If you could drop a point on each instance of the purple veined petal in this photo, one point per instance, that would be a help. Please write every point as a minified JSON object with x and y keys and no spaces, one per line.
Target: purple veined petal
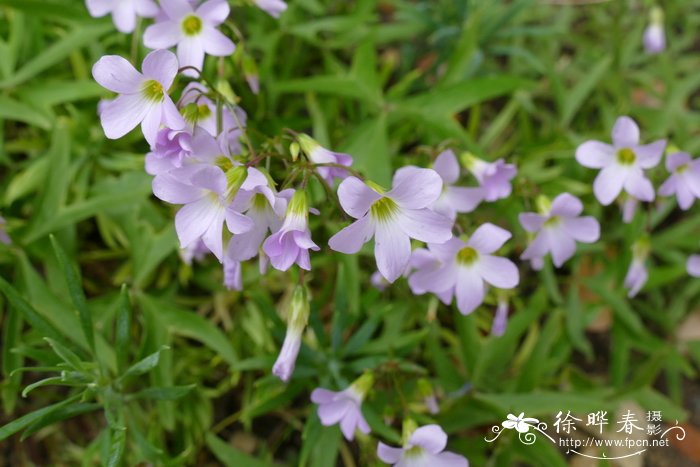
{"x":392,"y":248}
{"x":216,"y":43}
{"x":531,"y":222}
{"x":447,"y":166}
{"x":636,"y":277}
{"x":685,"y":197}
{"x":349,"y":423}
{"x":356,"y":197}
{"x":566,"y":205}
{"x":432,"y":438}
{"x":595,"y":154}
{"x":469,"y":289}
{"x":322,"y":396}
{"x":421,"y":258}
{"x":191,"y":54}
{"x":171,"y":190}
{"x":692,"y":178}
{"x":210,"y":178}
{"x":464,"y":199}
{"x":150,"y":125}
{"x":433,"y":279}
{"x":238,"y":223}
{"x":649,"y":155}
{"x":499,"y":272}
{"x":286,"y":360}
{"x":561,"y":244}
{"x":255,"y":179}
{"x":116,"y":74}
{"x":583,"y":229}
{"x":146,"y":8}
{"x":232,"y":274}
{"x":171,"y":117}
{"x":625,"y":133}
{"x":193,"y":219}
{"x":213,"y":11}
{"x":98,"y":8}
{"x":415,"y":188}
{"x":654,"y":39}
{"x":446,"y":296}
{"x":677,"y":159}
{"x":446,"y":252}
{"x":123,"y":114}
{"x":161,"y":65}
{"x":608,"y":183}
{"x":538,"y":248}
{"x":669,"y":187}
{"x":124,"y":16}
{"x":176,"y":9}
{"x":639,"y":186}
{"x":449,"y":459}
{"x":304,"y":260}
{"x":488,"y":238}
{"x":425,"y":225}
{"x":333,"y":412}
{"x":362,"y":424}
{"x":303,"y":240}
{"x":162,"y":35}
{"x":693,"y":265}
{"x":350,"y":239}
{"x":388,"y":454}
{"x":245,"y":246}
{"x":213,"y":236}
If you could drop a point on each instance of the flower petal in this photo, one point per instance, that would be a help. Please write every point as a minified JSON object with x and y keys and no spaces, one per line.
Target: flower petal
{"x":595,"y":154}
{"x":488,"y":238}
{"x":351,"y":238}
{"x":388,"y":454}
{"x":499,"y":272}
{"x":415,"y":188}
{"x":649,"y":155}
{"x":349,"y":423}
{"x":333,"y":412}
{"x":191,"y":54}
{"x":639,"y":186}
{"x":162,"y":35}
{"x":392,"y":248}
{"x":583,"y":229}
{"x":447,"y":167}
{"x":162,"y":66}
{"x":123,"y":114}
{"x":176,"y":9}
{"x":625,"y":133}
{"x":449,"y":459}
{"x":322,"y":396}
{"x":214,"y":11}
{"x":532,"y":222}
{"x":193,"y":219}
{"x":677,"y":159}
{"x":356,"y":197}
{"x":693,"y":265}
{"x":562,"y":245}
{"x":469,"y":289}
{"x":432,"y":438}
{"x":171,"y":190}
{"x":566,"y":205}
{"x":425,"y":225}
{"x":433,"y":279}
{"x":216,"y":43}
{"x":117,"y":74}
{"x":608,"y":184}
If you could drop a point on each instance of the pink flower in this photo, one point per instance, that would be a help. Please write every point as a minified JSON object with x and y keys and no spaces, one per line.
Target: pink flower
{"x":192,"y":30}
{"x":558,"y":229}
{"x":464,"y":268}
{"x":392,"y":218}
{"x":124,"y":12}
{"x":684,"y":181}
{"x":622,"y":163}
{"x":344,"y":407}
{"x":142,"y":98}
{"x":454,"y":199}
{"x":424,"y":448}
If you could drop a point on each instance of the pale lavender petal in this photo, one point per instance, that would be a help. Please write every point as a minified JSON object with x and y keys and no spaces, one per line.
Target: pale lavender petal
{"x":595,"y":154}
{"x":98,"y":8}
{"x":213,"y":11}
{"x":161,"y":65}
{"x":561,"y":244}
{"x":639,"y":186}
{"x":124,"y":17}
{"x":117,"y":74}
{"x":447,"y":166}
{"x":151,"y":123}
{"x":333,"y":412}
{"x":286,"y":361}
{"x":216,"y":43}
{"x":532,"y":222}
{"x":432,"y":438}
{"x":351,"y":238}
{"x":213,"y":236}
{"x":649,"y":155}
{"x":446,"y":252}
{"x":464,"y":199}
{"x":193,"y":219}
{"x":415,"y":188}
{"x":500,"y":320}
{"x":685,"y":197}
{"x":123,"y":114}
{"x":693,"y":265}
{"x":356,"y":197}
{"x":538,"y":248}
{"x":322,"y":396}
{"x":232,"y":274}
{"x":583,"y":229}
{"x":449,"y":459}
{"x":608,"y":184}
{"x":392,"y":248}
{"x":424,"y":225}
{"x":669,"y":186}
{"x":469,"y":289}
{"x":162,"y":35}
{"x":388,"y":454}
{"x":191,"y":54}
{"x":171,"y":116}
{"x":433,"y":279}
{"x":636,"y":277}
{"x":625,"y":133}
{"x":499,"y":272}
{"x":238,"y":223}
{"x":146,"y":8}
{"x":349,"y":423}
{"x":654,"y":39}
{"x":629,"y":209}
{"x":677,"y":159}
{"x":488,"y":238}
{"x":176,"y":9}
{"x":566,"y":205}
{"x":171,"y":190}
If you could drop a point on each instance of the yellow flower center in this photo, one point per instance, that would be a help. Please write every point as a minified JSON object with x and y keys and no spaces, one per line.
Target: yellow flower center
{"x":153,"y":90}
{"x":383,"y":209}
{"x":467,"y":255}
{"x":552,"y":221}
{"x":626,"y":156}
{"x":682,"y":168}
{"x":191,"y":25}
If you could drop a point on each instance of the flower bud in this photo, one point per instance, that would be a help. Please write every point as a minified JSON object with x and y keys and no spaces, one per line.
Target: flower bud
{"x":294,"y":150}
{"x":296,"y":323}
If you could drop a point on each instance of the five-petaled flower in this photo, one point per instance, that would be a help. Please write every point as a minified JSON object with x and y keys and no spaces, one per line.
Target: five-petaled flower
{"x":684,"y":181}
{"x":344,"y":407}
{"x":124,"y":12}
{"x":392,"y":218}
{"x":425,"y":447}
{"x":454,"y":199}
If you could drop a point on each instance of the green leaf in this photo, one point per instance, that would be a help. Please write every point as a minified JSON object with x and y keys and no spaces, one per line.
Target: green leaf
{"x":144,"y":365}
{"x":117,"y":447}
{"x":65,"y":354}
{"x":369,"y":147}
{"x":24,"y":421}
{"x":164,"y":393}
{"x":122,"y":331}
{"x":578,"y":95}
{"x":75,"y":289}
{"x":59,"y":415}
{"x":11,"y":109}
{"x":230,"y":456}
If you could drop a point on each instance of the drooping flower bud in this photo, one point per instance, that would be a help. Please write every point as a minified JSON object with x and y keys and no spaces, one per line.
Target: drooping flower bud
{"x":637,"y":275}
{"x":296,"y":323}
{"x":428,"y":394}
{"x":654,"y":35}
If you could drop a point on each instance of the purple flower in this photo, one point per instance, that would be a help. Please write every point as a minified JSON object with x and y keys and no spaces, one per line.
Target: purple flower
{"x":4,"y":238}
{"x":684,"y":181}
{"x":195,"y":251}
{"x":693,"y":265}
{"x":464,"y":268}
{"x":558,"y":229}
{"x":393,"y":218}
{"x":317,"y":154}
{"x":124,"y":12}
{"x":292,"y":242}
{"x":180,"y":149}
{"x":193,"y":30}
{"x":629,"y":209}
{"x":654,"y":37}
{"x":206,"y":194}
{"x":344,"y":407}
{"x":637,"y":273}
{"x":429,"y":399}
{"x":424,"y":448}
{"x":232,"y":273}
{"x":273,"y":8}
{"x":298,"y":317}
{"x":500,"y":321}
{"x":142,"y":98}
{"x":493,"y":177}
{"x":200,"y":111}
{"x":378,"y":281}
{"x":454,"y":199}
{"x":622,"y":163}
